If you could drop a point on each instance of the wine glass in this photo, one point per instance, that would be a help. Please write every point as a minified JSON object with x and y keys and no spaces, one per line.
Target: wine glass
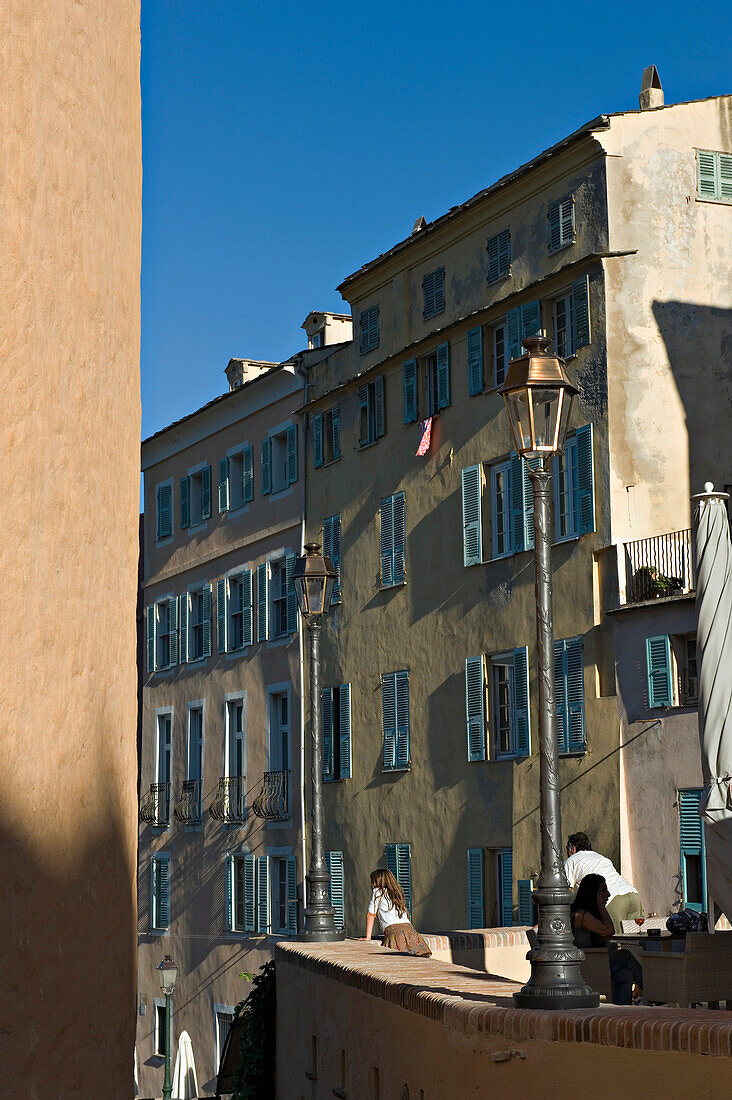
{"x":640,"y":921}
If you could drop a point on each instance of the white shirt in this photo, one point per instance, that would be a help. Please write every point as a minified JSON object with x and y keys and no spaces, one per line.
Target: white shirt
{"x":592,"y":863}
{"x":382,"y":908}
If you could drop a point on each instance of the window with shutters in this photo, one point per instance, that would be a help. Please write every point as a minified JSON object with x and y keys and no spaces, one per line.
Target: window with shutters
{"x":571,"y":315}
{"x":236,"y":479}
{"x":672,"y":670}
{"x":399,"y":862}
{"x":499,"y":256}
{"x":560,"y":217}
{"x":569,"y":693}
{"x":368,"y":328}
{"x":684,"y":647}
{"x":692,"y":849}
{"x":396,"y":755}
{"x":574,"y":486}
{"x":336,"y":722}
{"x":282,"y":598}
{"x":505,"y":512}
{"x":522,"y":321}
{"x":426,"y":384}
{"x":433,"y":286}
{"x":498,"y":705}
{"x":393,"y":540}
{"x":235,"y":748}
{"x":241,"y":871}
{"x":197,"y":621}
{"x":278,"y":895}
{"x":195,"y":497}
{"x":237,"y":611}
{"x":713,"y":176}
{"x":501,"y":510}
{"x":162,"y":634}
{"x":164,"y":510}
{"x":160,"y":892}
{"x":372,"y":406}
{"x":334,"y":861}
{"x":279,"y":464}
{"x":163,"y":748}
{"x":332,"y":550}
{"x":476,"y":888}
{"x":327,"y":436}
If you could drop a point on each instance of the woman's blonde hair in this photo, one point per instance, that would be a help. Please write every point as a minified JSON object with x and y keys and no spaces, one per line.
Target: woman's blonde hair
{"x":383,"y":881}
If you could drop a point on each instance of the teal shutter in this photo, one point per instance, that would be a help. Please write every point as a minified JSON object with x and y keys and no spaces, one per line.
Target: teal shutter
{"x":185,"y":502}
{"x":379,"y":410}
{"x":560,"y":695}
{"x":530,"y":320}
{"x":292,"y":454}
{"x":387,"y":541}
{"x":522,"y":710}
{"x":266,"y":466}
{"x":475,"y":361}
{"x":229,"y":872}
{"x":223,"y":484}
{"x":318,"y":440}
{"x":344,"y":730}
{"x":335,"y":425}
{"x":472,"y":485}
{"x":521,"y":498}
{"x":513,"y":329}
{"x":499,"y":255}
{"x":475,"y":706}
{"x":691,"y":835}
{"x":221,"y":616}
{"x":363,"y":401}
{"x":183,"y":628}
{"x":165,"y":511}
{"x":326,"y":710}
{"x":391,"y":859}
{"x":160,"y":887}
{"x":525,"y":889}
{"x":262,"y":602}
{"x":334,"y":861}
{"x":581,"y":312}
{"x":291,"y":896}
{"x":505,"y":882}
{"x":173,"y":630}
{"x":725,"y":175}
{"x":388,"y":719}
{"x":566,"y":214}
{"x":207,"y":593}
{"x":263,"y":921}
{"x":404,"y":873}
{"x":250,"y":906}
{"x":247,"y":474}
{"x":555,"y":229}
{"x":409,"y":389}
{"x":658,"y":662}
{"x":575,"y":694}
{"x":585,"y":479}
{"x":402,"y":719}
{"x":332,"y":550}
{"x":246,"y":597}
{"x":443,"y":375}
{"x":151,"y":623}
{"x":290,"y":560}
{"x":206,"y":492}
{"x":400,"y":537}
{"x":707,"y":166}
{"x":476,"y":911}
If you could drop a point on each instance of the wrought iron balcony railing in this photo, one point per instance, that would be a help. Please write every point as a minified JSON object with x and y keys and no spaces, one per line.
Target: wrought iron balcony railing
{"x":659,"y":566}
{"x":188,"y":807}
{"x":272,"y":802}
{"x":229,"y":804}
{"x":155,"y":810}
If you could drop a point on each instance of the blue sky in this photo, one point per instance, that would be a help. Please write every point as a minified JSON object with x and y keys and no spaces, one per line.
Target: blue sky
{"x":285,"y":144}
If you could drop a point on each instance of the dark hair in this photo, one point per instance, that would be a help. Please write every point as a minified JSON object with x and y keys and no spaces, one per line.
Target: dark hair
{"x":581,"y":842}
{"x":586,"y":899}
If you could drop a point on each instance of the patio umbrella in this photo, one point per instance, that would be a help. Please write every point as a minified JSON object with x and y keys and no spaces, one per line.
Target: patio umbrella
{"x":185,"y":1085}
{"x":714,"y":645}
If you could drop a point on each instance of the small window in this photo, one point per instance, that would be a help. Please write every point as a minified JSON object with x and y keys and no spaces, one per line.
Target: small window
{"x":282,"y":617}
{"x":278,"y":894}
{"x":317,"y":340}
{"x":327,"y":436}
{"x":433,"y":286}
{"x":426,"y":384}
{"x":236,"y":479}
{"x":501,"y":510}
{"x":685,"y":646}
{"x":371,"y":401}
{"x":240,"y":610}
{"x":224,"y":1020}
{"x":162,"y":634}
{"x":159,"y":1044}
{"x":499,"y":256}
{"x":503,"y":704}
{"x":195,"y":497}
{"x":713,"y":176}
{"x":279,"y":460}
{"x":195,"y":625}
{"x":393,"y":540}
{"x":395,"y":720}
{"x":368,"y":326}
{"x":334,"y":861}
{"x":499,"y":353}
{"x":235,"y":739}
{"x":561,"y":223}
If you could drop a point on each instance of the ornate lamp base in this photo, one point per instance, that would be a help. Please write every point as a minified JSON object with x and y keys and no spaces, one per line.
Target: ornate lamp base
{"x":555,"y":985}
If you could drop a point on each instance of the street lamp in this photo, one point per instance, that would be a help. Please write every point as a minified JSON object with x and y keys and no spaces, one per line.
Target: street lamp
{"x":313,"y":578}
{"x":538,"y":396}
{"x":167,"y":972}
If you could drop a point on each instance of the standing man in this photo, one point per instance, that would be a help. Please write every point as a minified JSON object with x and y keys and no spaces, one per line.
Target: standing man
{"x":624,"y":903}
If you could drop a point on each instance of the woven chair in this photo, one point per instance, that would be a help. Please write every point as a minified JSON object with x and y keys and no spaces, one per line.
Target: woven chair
{"x":650,"y":922}
{"x":703,"y":972}
{"x":595,"y":968}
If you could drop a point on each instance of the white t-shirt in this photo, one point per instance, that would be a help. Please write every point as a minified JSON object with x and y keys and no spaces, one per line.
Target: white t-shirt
{"x":382,"y":908}
{"x":592,"y":863}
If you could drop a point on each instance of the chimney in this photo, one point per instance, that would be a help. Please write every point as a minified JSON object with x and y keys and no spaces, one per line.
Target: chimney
{"x":651,"y":93}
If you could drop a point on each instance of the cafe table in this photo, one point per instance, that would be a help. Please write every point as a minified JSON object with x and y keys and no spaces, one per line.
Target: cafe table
{"x":636,"y":942}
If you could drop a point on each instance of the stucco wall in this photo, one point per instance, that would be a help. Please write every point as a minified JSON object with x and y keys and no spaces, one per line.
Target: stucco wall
{"x":70,"y":213}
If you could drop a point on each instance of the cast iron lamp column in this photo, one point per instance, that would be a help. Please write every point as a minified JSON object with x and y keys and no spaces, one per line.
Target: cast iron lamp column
{"x":538,"y":396}
{"x":313,"y":578}
{"x":168,"y":972}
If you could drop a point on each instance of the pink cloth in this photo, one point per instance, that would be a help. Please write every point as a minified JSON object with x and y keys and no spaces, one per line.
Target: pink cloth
{"x":425,"y":426}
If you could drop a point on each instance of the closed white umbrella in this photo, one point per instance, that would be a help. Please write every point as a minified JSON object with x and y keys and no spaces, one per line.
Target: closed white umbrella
{"x":185,"y":1085}
{"x":714,"y":645}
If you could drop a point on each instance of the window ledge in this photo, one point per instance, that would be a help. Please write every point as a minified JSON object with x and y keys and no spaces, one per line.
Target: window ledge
{"x":499,"y":278}
{"x":165,"y":541}
{"x":331,"y":463}
{"x":389,"y":771}
{"x":390,"y":587}
{"x":567,"y":538}
{"x":572,"y":752}
{"x":562,"y":247}
{"x":367,"y":444}
{"x":707,"y":198}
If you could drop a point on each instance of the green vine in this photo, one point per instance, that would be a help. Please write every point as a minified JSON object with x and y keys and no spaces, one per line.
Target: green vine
{"x":255,"y":1074}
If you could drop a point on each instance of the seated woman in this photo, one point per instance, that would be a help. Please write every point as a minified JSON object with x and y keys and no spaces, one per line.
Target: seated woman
{"x":592,"y":927}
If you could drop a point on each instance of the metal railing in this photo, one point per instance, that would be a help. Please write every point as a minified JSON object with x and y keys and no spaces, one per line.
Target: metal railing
{"x":229,"y":804}
{"x":155,"y":810}
{"x":272,"y":802}
{"x":188,"y":807}
{"x":659,"y":566}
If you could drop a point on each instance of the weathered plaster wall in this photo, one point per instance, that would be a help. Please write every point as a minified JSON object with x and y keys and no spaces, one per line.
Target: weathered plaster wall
{"x":70,"y":214}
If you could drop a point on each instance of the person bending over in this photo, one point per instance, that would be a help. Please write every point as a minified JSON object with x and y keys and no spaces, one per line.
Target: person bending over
{"x":624,"y":902}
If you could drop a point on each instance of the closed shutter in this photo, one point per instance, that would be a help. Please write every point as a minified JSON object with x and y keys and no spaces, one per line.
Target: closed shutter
{"x":555,"y":230}
{"x":499,"y":255}
{"x":326,"y":710}
{"x":707,"y":168}
{"x":250,"y":905}
{"x":344,"y":730}
{"x":318,"y":440}
{"x":560,"y":695}
{"x":404,"y":873}
{"x":409,"y":389}
{"x":400,"y":535}
{"x":387,"y":541}
{"x":475,"y":706}
{"x":334,"y":861}
{"x":472,"y":486}
{"x":151,"y":618}
{"x":222,"y":621}
{"x":522,"y":505}
{"x":262,"y":601}
{"x":335,"y":424}
{"x":443,"y":375}
{"x":505,"y":885}
{"x":248,"y":474}
{"x":183,"y":628}
{"x":290,"y":560}
{"x":566,"y":216}
{"x":291,"y":896}
{"x":292,"y":454}
{"x":525,"y":888}
{"x":693,"y":851}
{"x":161,"y":892}
{"x":363,"y":401}
{"x":165,"y":511}
{"x":580,"y":312}
{"x":246,"y":599}
{"x":388,"y":719}
{"x":263,"y":921}
{"x":332,"y":550}
{"x":513,"y":328}
{"x":476,"y":911}
{"x":725,"y":175}
{"x":379,"y":410}
{"x":206,"y":492}
{"x":658,"y":663}
{"x":173,"y":631}
{"x":475,"y":361}
{"x":585,"y":479}
{"x":266,"y":466}
{"x":433,"y":285}
{"x":402,"y":718}
{"x":522,"y":710}
{"x":223,"y":484}
{"x":575,"y":694}
{"x":391,"y":859}
{"x":207,"y":594}
{"x":185,"y":502}
{"x":229,"y":872}
{"x":530,"y":320}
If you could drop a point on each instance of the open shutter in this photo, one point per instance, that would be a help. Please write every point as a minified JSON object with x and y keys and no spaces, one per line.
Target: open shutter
{"x":581,"y":312}
{"x":585,"y":479}
{"x":402,"y":719}
{"x":379,"y":411}
{"x":266,"y":468}
{"x":658,"y":661}
{"x":391,"y":859}
{"x":400,"y":536}
{"x":318,"y":440}
{"x":388,"y":719}
{"x":326,"y":709}
{"x":706,"y":174}
{"x":475,"y":361}
{"x":387,"y":541}
{"x":725,"y":175}
{"x":221,"y":616}
{"x":525,"y":889}
{"x":334,"y":861}
{"x":246,"y":600}
{"x":223,"y":484}
{"x":165,"y":511}
{"x":476,"y":912}
{"x":150,"y":616}
{"x":404,"y":873}
{"x":443,"y":376}
{"x":250,"y":907}
{"x":173,"y":630}
{"x":566,"y":217}
{"x":505,"y":885}
{"x":206,"y":492}
{"x":185,"y":502}
{"x":560,"y":695}
{"x":263,"y":922}
{"x":513,"y":328}
{"x":290,"y":560}
{"x":519,"y":495}
{"x":162,"y":864}
{"x":335,"y":555}
{"x":575,"y":694}
{"x":248,"y":474}
{"x":522,"y":720}
{"x":691,"y":835}
{"x":262,"y":601}
{"x":472,"y":485}
{"x":344,"y":730}
{"x":363,"y":401}
{"x":530,"y":320}
{"x":555,"y":233}
{"x":229,"y":872}
{"x":292,"y":454}
{"x":207,"y":593}
{"x":183,"y":628}
{"x":335,"y":424}
{"x":409,"y":389}
{"x":475,"y":706}
{"x":291,"y":896}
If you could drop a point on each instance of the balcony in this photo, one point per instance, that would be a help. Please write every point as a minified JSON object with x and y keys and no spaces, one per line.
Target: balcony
{"x":229,"y":804}
{"x":272,"y":802}
{"x":657,"y":567}
{"x":187,"y":809}
{"x":155,"y":810}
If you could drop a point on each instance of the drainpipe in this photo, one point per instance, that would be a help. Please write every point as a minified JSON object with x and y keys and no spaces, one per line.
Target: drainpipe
{"x":301,"y":641}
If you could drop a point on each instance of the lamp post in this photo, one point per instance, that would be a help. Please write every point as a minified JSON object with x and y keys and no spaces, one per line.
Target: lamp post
{"x":313,"y":578}
{"x":538,"y":396}
{"x":167,"y":972}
